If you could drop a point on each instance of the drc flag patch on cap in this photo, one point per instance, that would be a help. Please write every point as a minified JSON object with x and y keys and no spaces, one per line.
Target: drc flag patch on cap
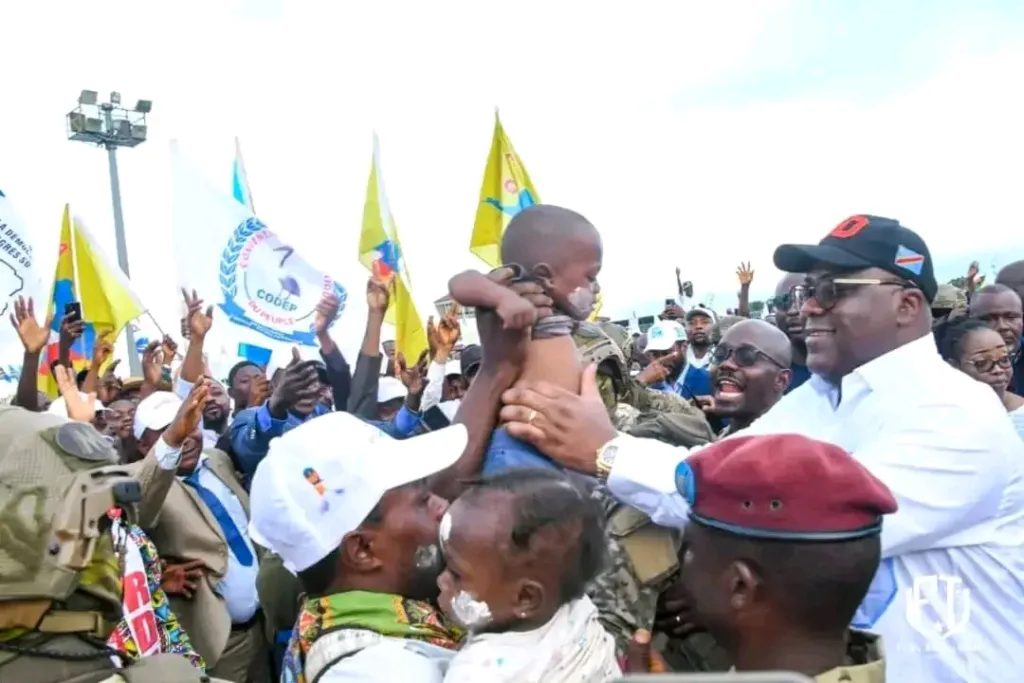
{"x":908,"y":259}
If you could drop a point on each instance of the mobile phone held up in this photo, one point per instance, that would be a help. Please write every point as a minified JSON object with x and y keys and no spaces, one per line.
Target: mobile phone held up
{"x":73,"y":311}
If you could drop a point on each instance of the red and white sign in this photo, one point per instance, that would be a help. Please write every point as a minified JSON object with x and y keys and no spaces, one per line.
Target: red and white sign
{"x":136,"y":601}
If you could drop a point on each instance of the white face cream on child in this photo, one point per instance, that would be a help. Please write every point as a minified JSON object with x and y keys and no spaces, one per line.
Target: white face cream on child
{"x":470,"y":612}
{"x":582,"y":299}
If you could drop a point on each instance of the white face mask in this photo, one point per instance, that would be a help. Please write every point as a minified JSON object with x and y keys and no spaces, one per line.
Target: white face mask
{"x":470,"y":612}
{"x":583,"y":300}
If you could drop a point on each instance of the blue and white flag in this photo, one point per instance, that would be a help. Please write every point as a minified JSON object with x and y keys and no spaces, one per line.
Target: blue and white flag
{"x":263,"y":291}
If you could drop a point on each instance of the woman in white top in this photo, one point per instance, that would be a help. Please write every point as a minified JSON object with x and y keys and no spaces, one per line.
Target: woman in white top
{"x":971,"y":346}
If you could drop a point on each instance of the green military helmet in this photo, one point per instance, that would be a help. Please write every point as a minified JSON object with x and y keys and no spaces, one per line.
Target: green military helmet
{"x":60,"y":480}
{"x":596,"y":346}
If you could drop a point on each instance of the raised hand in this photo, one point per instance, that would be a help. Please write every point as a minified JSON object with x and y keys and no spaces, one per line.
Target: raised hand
{"x":33,"y":336}
{"x":448,"y":329}
{"x":413,"y":377}
{"x":70,"y":331}
{"x":168,"y":349}
{"x":297,"y":390}
{"x":379,"y":289}
{"x":190,"y":414}
{"x":80,"y":408}
{"x":102,"y":350}
{"x":200,"y":320}
{"x":326,"y":312}
{"x":745,"y":274}
{"x":109,"y":385}
{"x":152,"y":364}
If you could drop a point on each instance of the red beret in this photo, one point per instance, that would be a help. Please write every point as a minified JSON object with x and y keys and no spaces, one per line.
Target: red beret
{"x":783,"y":486}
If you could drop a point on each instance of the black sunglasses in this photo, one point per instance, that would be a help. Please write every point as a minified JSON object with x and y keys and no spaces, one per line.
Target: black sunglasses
{"x":744,"y":356}
{"x":827,"y":291}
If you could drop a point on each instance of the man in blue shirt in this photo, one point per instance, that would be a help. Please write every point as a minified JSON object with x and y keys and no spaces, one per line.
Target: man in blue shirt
{"x":295,"y":400}
{"x":789,"y":320}
{"x":668,"y":370}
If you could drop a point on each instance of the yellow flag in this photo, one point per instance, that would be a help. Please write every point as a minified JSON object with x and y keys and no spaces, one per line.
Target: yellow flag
{"x":85,"y":275}
{"x":380,"y":250}
{"x":506,"y":190}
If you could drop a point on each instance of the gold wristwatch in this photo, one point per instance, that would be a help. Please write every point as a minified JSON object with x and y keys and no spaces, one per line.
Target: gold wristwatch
{"x":606,"y":460}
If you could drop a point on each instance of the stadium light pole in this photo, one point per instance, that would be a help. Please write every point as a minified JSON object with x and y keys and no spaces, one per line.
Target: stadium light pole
{"x":109,"y":125}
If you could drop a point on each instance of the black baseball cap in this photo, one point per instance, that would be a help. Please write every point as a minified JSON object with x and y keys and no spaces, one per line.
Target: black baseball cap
{"x":470,"y":359}
{"x":866,"y":242}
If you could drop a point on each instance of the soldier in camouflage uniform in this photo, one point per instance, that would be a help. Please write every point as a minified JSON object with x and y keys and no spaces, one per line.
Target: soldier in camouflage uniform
{"x":643,"y":557}
{"x":60,"y":570}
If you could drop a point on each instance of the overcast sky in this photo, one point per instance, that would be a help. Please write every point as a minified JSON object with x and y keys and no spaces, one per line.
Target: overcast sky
{"x":695,"y":134}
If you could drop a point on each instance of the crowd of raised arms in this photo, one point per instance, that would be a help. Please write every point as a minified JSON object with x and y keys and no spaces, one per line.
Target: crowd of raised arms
{"x":832,"y":493}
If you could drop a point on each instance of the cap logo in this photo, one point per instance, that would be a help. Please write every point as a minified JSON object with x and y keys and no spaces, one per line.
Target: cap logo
{"x":909,"y":260}
{"x":655,"y":332}
{"x":850,"y":227}
{"x":685,"y":483}
{"x":314,"y":479}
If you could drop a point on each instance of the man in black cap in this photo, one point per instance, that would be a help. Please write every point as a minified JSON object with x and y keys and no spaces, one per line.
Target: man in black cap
{"x":868,"y":290}
{"x":939,"y":440}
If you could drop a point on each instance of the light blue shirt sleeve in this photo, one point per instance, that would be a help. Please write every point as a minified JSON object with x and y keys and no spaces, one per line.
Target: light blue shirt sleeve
{"x":401,"y":426}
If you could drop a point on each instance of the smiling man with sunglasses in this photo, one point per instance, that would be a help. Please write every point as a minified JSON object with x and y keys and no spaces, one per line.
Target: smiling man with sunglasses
{"x":948,"y":597}
{"x":750,"y":371}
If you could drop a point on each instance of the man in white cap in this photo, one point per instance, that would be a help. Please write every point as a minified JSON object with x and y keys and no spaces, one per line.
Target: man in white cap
{"x":348,"y":510}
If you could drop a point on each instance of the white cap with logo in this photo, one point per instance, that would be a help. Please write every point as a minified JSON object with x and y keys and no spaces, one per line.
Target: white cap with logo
{"x":321,"y":479}
{"x":663,"y":335}
{"x":156,"y":411}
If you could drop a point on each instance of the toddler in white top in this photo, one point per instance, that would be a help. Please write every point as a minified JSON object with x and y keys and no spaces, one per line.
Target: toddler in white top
{"x":520,"y":547}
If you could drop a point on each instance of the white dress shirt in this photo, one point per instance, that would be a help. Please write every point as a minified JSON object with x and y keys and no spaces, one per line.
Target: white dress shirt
{"x":238,"y":586}
{"x":435,"y":386}
{"x":946,"y":448}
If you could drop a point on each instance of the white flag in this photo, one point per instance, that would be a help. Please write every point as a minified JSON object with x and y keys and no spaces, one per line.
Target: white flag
{"x":18,"y":277}
{"x":265,"y":294}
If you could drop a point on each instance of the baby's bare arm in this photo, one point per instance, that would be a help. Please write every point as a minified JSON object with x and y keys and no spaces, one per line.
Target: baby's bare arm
{"x":471,"y":288}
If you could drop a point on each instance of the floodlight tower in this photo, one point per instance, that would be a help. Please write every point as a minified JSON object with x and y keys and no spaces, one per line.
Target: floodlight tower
{"x":108,"y":124}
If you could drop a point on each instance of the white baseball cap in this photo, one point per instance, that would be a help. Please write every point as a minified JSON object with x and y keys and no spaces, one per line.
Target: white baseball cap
{"x":320,"y":480}
{"x":663,"y":335}
{"x":59,"y":406}
{"x":390,"y":388}
{"x":156,"y":411}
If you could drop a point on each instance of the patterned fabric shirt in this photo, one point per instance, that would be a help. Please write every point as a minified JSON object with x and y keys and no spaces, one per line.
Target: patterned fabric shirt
{"x":173,"y":639}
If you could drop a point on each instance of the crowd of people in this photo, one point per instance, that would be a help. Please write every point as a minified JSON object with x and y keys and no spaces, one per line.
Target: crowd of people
{"x":835,"y":492}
